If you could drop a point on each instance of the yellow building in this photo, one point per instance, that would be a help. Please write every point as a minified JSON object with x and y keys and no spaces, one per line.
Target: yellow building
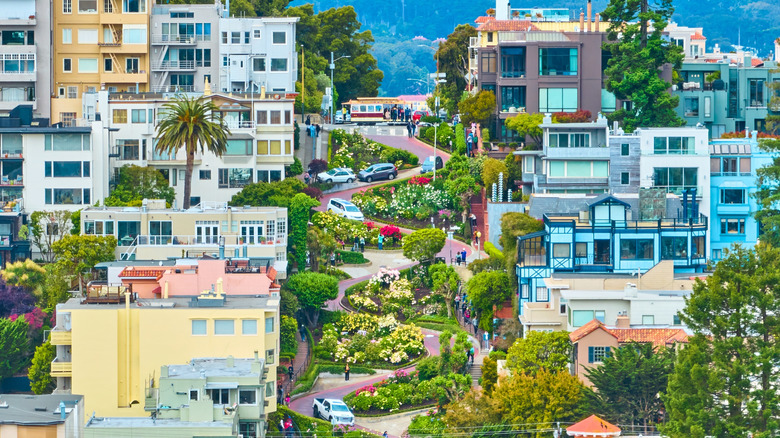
{"x":110,"y":349}
{"x":98,"y":44}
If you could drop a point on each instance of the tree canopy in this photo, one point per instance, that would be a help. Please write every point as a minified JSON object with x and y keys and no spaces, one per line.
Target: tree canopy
{"x":424,"y":244}
{"x":47,"y":227}
{"x":768,"y":193}
{"x":478,"y":108}
{"x":488,"y":289}
{"x":313,"y":290}
{"x":41,"y":381}
{"x":76,"y":254}
{"x":527,"y":125}
{"x":13,"y":346}
{"x":137,"y":183}
{"x":299,"y":212}
{"x":540,"y":351}
{"x":453,"y":60}
{"x":265,"y":194}
{"x":445,"y":283}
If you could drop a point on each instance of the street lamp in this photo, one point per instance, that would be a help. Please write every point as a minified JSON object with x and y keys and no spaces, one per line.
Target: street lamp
{"x":435,"y":126}
{"x":479,"y":242}
{"x":333,"y":86}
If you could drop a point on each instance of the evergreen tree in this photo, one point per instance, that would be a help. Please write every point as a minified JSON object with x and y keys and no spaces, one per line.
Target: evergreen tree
{"x":41,"y":381}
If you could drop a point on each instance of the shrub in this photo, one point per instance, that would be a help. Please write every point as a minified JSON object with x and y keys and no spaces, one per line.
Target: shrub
{"x":317,"y":166}
{"x":351,"y":257}
{"x":580,"y":116}
{"x":313,"y":192}
{"x":485,"y":135}
{"x":488,"y":264}
{"x":492,"y":251}
{"x":428,"y":367}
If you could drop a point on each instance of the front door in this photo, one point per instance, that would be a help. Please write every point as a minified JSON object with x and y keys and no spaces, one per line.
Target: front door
{"x":601,"y":251}
{"x":207,"y":232}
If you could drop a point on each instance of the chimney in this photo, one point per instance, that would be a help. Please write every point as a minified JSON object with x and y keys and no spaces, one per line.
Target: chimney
{"x":262,"y":92}
{"x":257,"y":355}
{"x":598,"y":19}
{"x":582,"y":22}
{"x":63,"y":411}
{"x":229,"y":362}
{"x":590,"y":11}
{"x":623,"y":321}
{"x":630,"y":290}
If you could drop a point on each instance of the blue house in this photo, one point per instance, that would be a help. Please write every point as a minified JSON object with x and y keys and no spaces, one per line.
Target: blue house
{"x":605,"y":237}
{"x":733,"y":181}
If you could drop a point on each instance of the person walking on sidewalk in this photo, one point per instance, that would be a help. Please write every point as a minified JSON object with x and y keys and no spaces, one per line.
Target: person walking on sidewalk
{"x":346,"y":372}
{"x":474,"y":323}
{"x":471,"y":354}
{"x":362,"y":244}
{"x":379,"y":241}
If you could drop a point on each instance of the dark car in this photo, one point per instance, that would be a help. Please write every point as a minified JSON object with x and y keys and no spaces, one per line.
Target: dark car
{"x":378,"y":171}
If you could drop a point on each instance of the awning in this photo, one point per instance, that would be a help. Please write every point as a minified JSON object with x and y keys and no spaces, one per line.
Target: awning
{"x":221,"y":385}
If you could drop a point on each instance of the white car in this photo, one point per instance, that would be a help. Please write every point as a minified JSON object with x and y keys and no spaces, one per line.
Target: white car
{"x":333,"y":410}
{"x":345,"y":208}
{"x":337,"y":175}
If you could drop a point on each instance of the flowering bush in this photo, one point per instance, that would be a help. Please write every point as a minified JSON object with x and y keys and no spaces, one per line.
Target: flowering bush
{"x":370,"y":339}
{"x":419,"y":180}
{"x":446,"y":214}
{"x":341,"y":228}
{"x":402,"y":389}
{"x":33,"y":318}
{"x":384,"y":277}
{"x":391,"y":231}
{"x":406,"y":201}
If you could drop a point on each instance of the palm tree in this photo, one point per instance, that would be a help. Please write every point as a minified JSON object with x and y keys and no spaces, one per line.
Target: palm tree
{"x":191,"y":122}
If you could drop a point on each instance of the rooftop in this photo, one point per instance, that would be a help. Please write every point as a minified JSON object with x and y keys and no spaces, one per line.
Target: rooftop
{"x":231,"y":302}
{"x":593,"y":426}
{"x":142,"y":422}
{"x":158,"y":206}
{"x":35,"y":410}
{"x":659,"y":337}
{"x":214,"y":367}
{"x":506,"y":25}
{"x":587,"y":329}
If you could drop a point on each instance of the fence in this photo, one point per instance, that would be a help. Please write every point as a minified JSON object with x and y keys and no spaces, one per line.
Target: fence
{"x":301,"y":368}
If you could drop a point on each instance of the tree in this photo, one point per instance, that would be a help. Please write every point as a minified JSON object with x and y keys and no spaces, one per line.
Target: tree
{"x":768,"y":193}
{"x":14,"y":346}
{"x":273,"y":194}
{"x":445,"y":283}
{"x":14,"y":300}
{"x":489,"y":374}
{"x":462,"y":188}
{"x":191,"y":123}
{"x":137,"y":183}
{"x":47,"y":227}
{"x":26,"y":274}
{"x":486,"y":290}
{"x":41,"y":381}
{"x":478,"y":108}
{"x":242,"y":8}
{"x":294,"y":169}
{"x":453,"y":60}
{"x":77,"y":254}
{"x":321,"y":245}
{"x":313,"y":290}
{"x":527,"y":125}
{"x":734,"y":317}
{"x":299,"y":214}
{"x":628,"y":384}
{"x":549,"y":351}
{"x":424,"y":244}
{"x":288,"y":329}
{"x":490,"y":171}
{"x":514,"y":225}
{"x":639,"y":51}
{"x":288,"y":304}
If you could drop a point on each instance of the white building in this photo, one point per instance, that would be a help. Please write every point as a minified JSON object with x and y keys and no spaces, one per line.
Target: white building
{"x":257,"y":52}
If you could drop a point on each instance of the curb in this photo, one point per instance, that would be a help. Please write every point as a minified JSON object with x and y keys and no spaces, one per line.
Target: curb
{"x":358,"y":265}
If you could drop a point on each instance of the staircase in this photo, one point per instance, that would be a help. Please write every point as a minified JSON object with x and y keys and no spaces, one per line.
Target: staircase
{"x":476,"y":372}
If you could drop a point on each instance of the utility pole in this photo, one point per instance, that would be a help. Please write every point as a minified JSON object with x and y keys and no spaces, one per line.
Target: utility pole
{"x":303,"y":86}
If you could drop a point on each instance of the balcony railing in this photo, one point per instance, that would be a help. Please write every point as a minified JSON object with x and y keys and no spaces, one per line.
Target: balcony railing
{"x":173,"y":39}
{"x":663,"y":223}
{"x":175,"y":65}
{"x":61,"y":369}
{"x":61,"y":337}
{"x":101,"y":293}
{"x":731,"y":174}
{"x":244,"y":124}
{"x":214,"y":241}
{"x":173,"y":89}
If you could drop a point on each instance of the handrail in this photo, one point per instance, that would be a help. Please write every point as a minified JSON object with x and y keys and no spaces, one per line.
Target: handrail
{"x":195,"y":240}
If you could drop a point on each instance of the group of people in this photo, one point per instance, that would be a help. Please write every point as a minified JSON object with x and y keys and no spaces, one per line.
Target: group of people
{"x":312,"y":130}
{"x":411,"y":128}
{"x":462,"y":306}
{"x":399,"y":114}
{"x":360,"y":244}
{"x":281,"y":398}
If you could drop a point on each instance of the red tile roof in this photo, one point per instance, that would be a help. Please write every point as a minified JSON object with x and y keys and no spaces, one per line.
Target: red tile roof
{"x":698,"y":36}
{"x":587,"y":329}
{"x":507,"y":25}
{"x":593,"y":426}
{"x":659,"y":337}
{"x":484,"y":19}
{"x":755,"y":62}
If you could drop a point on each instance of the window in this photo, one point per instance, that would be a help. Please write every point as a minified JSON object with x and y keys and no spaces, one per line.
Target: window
{"x":234,"y":178}
{"x":732,"y":226}
{"x":636,"y":249}
{"x":205,"y":174}
{"x":580,"y":249}
{"x":203,"y":58}
{"x":557,"y":61}
{"x":67,"y":196}
{"x":67,"y":65}
{"x":198,"y":326}
{"x":276,"y":117}
{"x":67,"y":36}
{"x":131,"y":65}
{"x":88,"y":36}
{"x":488,"y":62}
{"x":108,"y":64}
{"x":552,"y":100}
{"x":224,"y":327}
{"x":238,"y":147}
{"x":269,"y":324}
{"x":134,"y":5}
{"x":278,"y":64}
{"x":600,"y":315}
{"x":578,"y":169}
{"x":542,"y":294}
{"x":490,"y":37}
{"x":128,"y":149}
{"x":269,"y":356}
{"x":561,"y":250}
{"x":194,"y":394}
{"x":608,"y":101}
{"x":120,"y":115}
{"x":281,"y":228}
{"x":597,"y":354}
{"x":648,"y":319}
{"x":88,"y":65}
{"x":731,"y":166}
{"x":570,"y":140}
{"x":624,"y":149}
{"x":288,"y":118}
{"x":675,"y":179}
{"x":512,"y":97}
{"x":127,"y":231}
{"x":220,"y":396}
{"x":247,"y":396}
{"x":138,"y":116}
{"x":88,"y":6}
{"x":756,"y":87}
{"x":674,"y":145}
{"x":674,"y":248}
{"x":691,"y":107}
{"x":697,"y":247}
{"x":65,"y":169}
{"x":246,"y":37}
{"x":249,"y":430}
{"x":134,"y":35}
{"x":67,"y":6}
{"x":257,"y":34}
{"x":262,"y":117}
{"x":512,"y":62}
{"x":732,"y":196}
{"x":258,"y":64}
{"x":235,"y":38}
{"x":582,"y":317}
{"x":248,"y":326}
{"x":224,"y":39}
{"x":280,"y":38}
{"x":676,"y":319}
{"x":269,"y":229}
{"x":99,"y":228}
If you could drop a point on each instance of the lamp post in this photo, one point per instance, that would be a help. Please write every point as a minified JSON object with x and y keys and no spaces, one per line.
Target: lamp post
{"x":333,"y":85}
{"x":435,"y":126}
{"x":479,"y":244}
{"x":303,"y":86}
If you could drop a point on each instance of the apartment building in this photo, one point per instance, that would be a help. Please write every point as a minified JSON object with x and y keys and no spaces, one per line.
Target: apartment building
{"x":97,"y":45}
{"x":25,"y":52}
{"x":205,"y":397}
{"x":154,"y":232}
{"x":259,"y":147}
{"x":258,"y":52}
{"x":110,"y":346}
{"x":184,"y":46}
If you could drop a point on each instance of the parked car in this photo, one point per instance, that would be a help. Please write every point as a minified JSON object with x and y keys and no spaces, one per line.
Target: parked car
{"x":345,"y":208}
{"x":417,"y":115}
{"x":427,"y":165}
{"x":333,"y":410}
{"x":378,"y":171}
{"x":337,"y":175}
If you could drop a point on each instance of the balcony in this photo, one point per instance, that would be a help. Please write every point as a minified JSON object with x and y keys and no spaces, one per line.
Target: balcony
{"x":245,"y":124}
{"x":175,"y":66}
{"x":18,"y":76}
{"x":61,"y":369}
{"x":174,"y":40}
{"x":61,"y":337}
{"x":173,"y":89}
{"x":101,"y":293}
{"x":211,"y":242}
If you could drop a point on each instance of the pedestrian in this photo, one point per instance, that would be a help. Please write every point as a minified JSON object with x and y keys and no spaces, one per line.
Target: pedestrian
{"x":463,"y":256}
{"x":303,"y":332}
{"x":346,"y":372}
{"x":468,"y":355}
{"x":467,"y":313}
{"x":384,"y":435}
{"x":409,"y":130}
{"x":279,"y":394}
{"x":457,"y":302}
{"x":333,"y":259}
{"x":471,"y":353}
{"x":473,"y":220}
{"x":288,"y":426}
{"x":401,"y":114}
{"x":379,"y":241}
{"x":474,"y":323}
{"x":306,"y":178}
{"x":357,"y":244}
{"x":318,"y":129}
{"x":362,"y":244}
{"x":414,"y":129}
{"x":287,"y":399}
{"x":290,"y":372}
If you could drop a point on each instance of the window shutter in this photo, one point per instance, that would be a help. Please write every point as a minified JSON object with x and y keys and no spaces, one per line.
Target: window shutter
{"x":590,"y":354}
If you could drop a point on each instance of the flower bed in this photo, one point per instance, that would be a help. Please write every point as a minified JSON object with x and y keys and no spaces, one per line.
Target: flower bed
{"x":357,"y":153}
{"x":361,"y":338}
{"x":345,"y":231}
{"x":388,"y":293}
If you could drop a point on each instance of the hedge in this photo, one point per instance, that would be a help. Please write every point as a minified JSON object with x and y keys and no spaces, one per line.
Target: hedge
{"x":306,"y":381}
{"x":335,"y":368}
{"x":492,"y":251}
{"x":351,"y":257}
{"x":356,"y":287}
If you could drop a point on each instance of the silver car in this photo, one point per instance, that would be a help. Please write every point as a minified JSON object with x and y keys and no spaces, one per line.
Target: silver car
{"x":337,"y":175}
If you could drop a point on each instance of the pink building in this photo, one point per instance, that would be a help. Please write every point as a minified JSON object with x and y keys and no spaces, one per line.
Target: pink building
{"x":232,"y":277}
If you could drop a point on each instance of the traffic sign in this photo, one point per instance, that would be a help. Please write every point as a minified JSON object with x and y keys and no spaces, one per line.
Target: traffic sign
{"x":437,"y":75}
